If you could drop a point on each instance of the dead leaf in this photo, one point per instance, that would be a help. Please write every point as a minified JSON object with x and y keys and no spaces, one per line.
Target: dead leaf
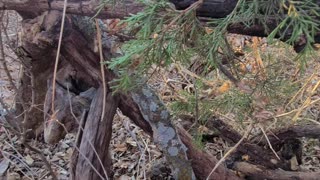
{"x":29,"y":160}
{"x":208,"y":30}
{"x":203,"y":129}
{"x":125,"y":164}
{"x":155,"y":36}
{"x":263,"y":115}
{"x":120,"y":147}
{"x":224,"y":87}
{"x":132,"y":142}
{"x":245,"y":157}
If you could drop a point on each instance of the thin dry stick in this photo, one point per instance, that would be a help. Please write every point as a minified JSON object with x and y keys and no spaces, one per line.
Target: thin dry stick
{"x":307,"y":102}
{"x":4,"y":63}
{"x":84,"y":156}
{"x":43,"y":158}
{"x":4,"y":153}
{"x":33,"y":94}
{"x":270,"y":146}
{"x":102,"y":70}
{"x":81,"y":125}
{"x":19,"y":160}
{"x":58,"y":54}
{"x":18,"y":156}
{"x":295,"y":110}
{"x":311,"y":120}
{"x":142,"y":151}
{"x":146,"y":149}
{"x":231,"y":150}
{"x":300,"y":90}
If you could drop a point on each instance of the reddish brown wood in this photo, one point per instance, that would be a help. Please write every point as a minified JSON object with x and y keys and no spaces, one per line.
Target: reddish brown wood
{"x":257,"y":154}
{"x":202,"y":162}
{"x":258,"y":172}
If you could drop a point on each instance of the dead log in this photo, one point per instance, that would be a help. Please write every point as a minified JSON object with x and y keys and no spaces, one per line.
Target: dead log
{"x":97,"y":132}
{"x":130,"y":109}
{"x":203,"y":163}
{"x":33,"y":8}
{"x":257,"y":154}
{"x":284,"y":138}
{"x":209,"y":8}
{"x":298,"y":131}
{"x":258,"y":172}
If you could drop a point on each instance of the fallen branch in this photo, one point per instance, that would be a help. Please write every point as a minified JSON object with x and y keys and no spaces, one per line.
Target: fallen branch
{"x":257,"y":154}
{"x":81,"y":7}
{"x":203,"y":163}
{"x":258,"y":172}
{"x":298,"y":131}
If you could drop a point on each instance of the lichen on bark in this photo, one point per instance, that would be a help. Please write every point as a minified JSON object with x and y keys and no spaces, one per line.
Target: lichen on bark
{"x":165,"y":135}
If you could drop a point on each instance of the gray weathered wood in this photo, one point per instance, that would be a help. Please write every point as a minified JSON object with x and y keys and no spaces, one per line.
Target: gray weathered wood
{"x":97,"y":132}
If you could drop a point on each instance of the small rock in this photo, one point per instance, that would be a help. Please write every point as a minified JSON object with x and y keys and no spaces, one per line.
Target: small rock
{"x":4,"y":164}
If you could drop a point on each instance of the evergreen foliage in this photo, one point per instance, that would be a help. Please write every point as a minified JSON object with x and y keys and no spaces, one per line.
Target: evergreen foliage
{"x":164,"y":35}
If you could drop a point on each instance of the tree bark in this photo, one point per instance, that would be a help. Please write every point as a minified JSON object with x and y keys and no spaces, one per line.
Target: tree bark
{"x":209,"y":8}
{"x":258,"y":172}
{"x":97,"y":132}
{"x":33,"y":8}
